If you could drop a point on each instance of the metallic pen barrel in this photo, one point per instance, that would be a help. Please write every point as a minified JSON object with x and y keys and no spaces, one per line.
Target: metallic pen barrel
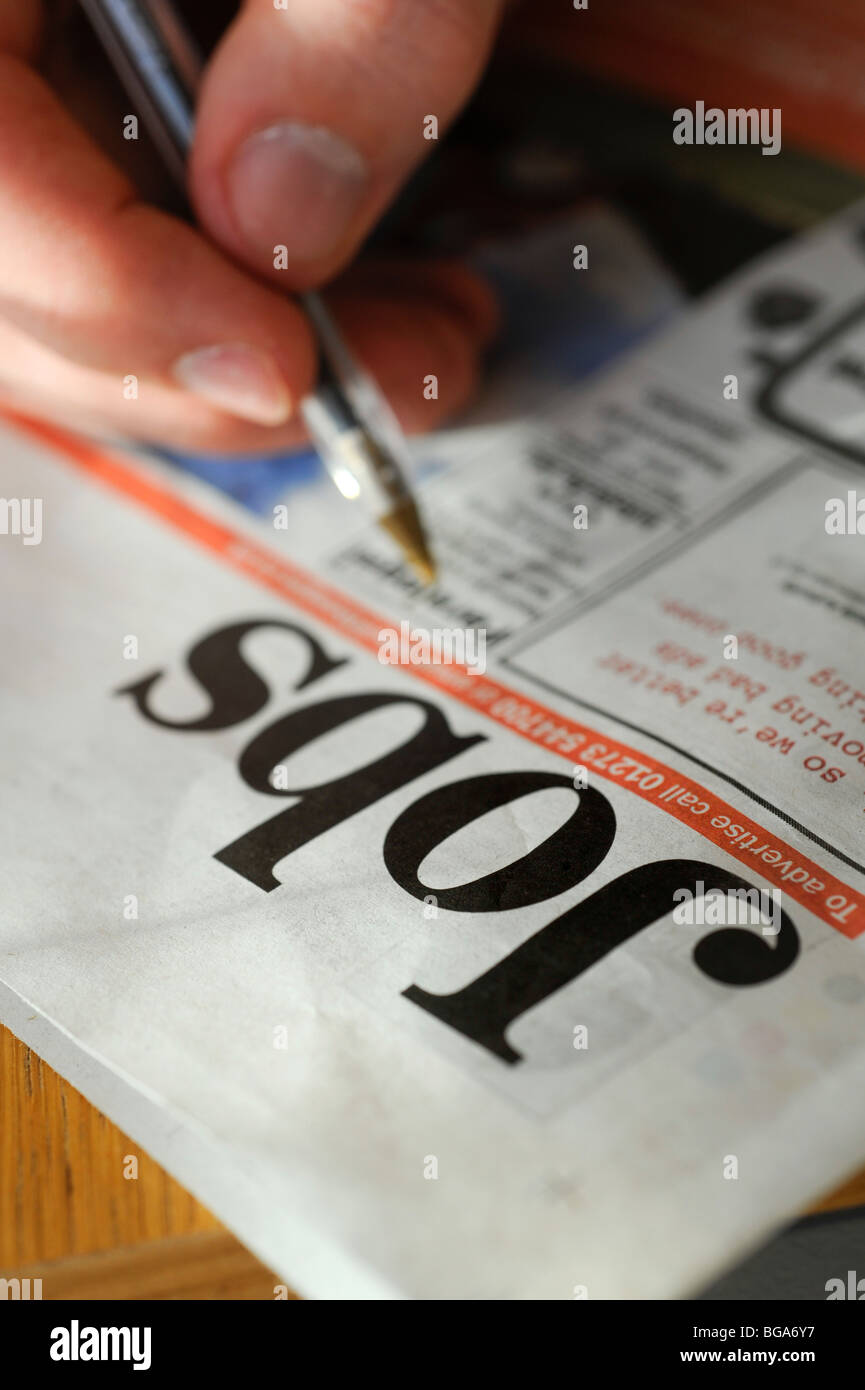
{"x":350,"y":423}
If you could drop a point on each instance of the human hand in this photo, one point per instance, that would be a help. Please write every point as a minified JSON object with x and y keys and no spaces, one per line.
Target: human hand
{"x":310,"y":119}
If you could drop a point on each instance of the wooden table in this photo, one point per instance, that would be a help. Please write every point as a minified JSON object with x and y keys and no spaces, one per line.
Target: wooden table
{"x":70,"y":1217}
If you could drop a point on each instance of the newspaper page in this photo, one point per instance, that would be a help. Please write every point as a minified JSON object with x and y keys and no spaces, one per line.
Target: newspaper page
{"x":498,"y":941}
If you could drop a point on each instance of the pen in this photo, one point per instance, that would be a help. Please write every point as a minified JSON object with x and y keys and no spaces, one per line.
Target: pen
{"x":351,"y":424}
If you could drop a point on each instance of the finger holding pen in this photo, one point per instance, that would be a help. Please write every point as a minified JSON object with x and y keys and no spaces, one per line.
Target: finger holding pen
{"x":96,"y":286}
{"x":104,"y":281}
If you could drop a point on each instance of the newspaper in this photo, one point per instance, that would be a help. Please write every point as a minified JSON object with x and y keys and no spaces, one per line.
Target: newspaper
{"x":533,"y":974}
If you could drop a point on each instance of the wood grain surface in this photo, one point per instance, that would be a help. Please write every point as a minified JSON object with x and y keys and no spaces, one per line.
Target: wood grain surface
{"x":69,"y":1216}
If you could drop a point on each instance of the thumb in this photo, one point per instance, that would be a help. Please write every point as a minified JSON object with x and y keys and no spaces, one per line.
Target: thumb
{"x":313,"y":114}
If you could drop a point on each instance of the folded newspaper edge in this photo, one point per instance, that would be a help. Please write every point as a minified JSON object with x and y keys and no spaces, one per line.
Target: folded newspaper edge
{"x":532,"y":974}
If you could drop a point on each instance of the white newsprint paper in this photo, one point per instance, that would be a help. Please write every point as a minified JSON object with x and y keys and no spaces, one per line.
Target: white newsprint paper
{"x":438,"y":981}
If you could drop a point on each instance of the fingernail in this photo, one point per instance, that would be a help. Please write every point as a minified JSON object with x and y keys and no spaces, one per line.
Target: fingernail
{"x":296,"y":186}
{"x":239,"y":379}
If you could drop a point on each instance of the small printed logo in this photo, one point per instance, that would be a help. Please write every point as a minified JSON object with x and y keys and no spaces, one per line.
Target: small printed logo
{"x":736,"y":126}
{"x":76,"y":1343}
{"x":439,"y":646}
{"x":845,"y":517}
{"x":22,"y":516}
{"x":737,"y":907}
{"x":853,"y":1289}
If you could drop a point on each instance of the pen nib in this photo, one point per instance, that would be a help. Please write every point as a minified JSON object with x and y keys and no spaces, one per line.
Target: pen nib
{"x":404,"y":526}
